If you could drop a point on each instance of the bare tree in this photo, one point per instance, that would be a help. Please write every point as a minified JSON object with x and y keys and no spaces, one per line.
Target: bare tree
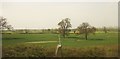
{"x":64,"y":27}
{"x":4,"y":24}
{"x":85,"y":28}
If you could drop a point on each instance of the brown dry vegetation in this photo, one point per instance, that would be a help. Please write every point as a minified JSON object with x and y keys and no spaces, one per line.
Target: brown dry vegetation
{"x":40,"y":51}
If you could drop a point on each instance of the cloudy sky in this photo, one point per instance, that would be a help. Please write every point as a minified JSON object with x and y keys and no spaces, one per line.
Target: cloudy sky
{"x":37,"y":15}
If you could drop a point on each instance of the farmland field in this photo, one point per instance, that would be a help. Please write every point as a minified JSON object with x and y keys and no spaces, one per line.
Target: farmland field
{"x":73,"y":41}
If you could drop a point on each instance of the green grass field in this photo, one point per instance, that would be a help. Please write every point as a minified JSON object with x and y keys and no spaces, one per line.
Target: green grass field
{"x":73,"y":45}
{"x":71,"y":40}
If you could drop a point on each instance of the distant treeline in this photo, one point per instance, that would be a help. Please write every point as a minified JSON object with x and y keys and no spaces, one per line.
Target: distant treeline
{"x":53,"y":31}
{"x":108,"y":29}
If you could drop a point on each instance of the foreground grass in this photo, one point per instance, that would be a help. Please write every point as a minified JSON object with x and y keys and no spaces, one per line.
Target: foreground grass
{"x":32,"y":50}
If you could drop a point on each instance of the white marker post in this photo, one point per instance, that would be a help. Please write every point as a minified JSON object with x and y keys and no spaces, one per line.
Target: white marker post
{"x":59,"y":46}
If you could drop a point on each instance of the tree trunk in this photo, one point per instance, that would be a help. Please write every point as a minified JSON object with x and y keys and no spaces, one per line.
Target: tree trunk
{"x":86,"y":33}
{"x":86,"y":36}
{"x":64,"y":33}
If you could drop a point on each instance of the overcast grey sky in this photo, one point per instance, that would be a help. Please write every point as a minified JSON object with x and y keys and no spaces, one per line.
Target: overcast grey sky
{"x":47,"y":15}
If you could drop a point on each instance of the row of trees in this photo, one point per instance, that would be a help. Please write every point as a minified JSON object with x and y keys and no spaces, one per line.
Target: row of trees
{"x":64,"y":27}
{"x":83,"y":28}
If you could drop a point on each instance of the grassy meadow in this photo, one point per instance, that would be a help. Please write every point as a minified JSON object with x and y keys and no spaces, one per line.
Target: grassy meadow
{"x":21,"y":45}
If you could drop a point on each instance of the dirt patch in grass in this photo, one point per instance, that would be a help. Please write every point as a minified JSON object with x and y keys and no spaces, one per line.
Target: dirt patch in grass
{"x":79,"y":40}
{"x":43,"y":42}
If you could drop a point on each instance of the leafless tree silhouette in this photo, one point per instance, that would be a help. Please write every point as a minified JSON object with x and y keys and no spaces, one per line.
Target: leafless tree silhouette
{"x":4,"y":24}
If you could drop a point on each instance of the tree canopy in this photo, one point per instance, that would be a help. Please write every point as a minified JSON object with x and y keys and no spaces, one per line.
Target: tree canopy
{"x":4,"y":24}
{"x":85,"y":28}
{"x":64,"y":26}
